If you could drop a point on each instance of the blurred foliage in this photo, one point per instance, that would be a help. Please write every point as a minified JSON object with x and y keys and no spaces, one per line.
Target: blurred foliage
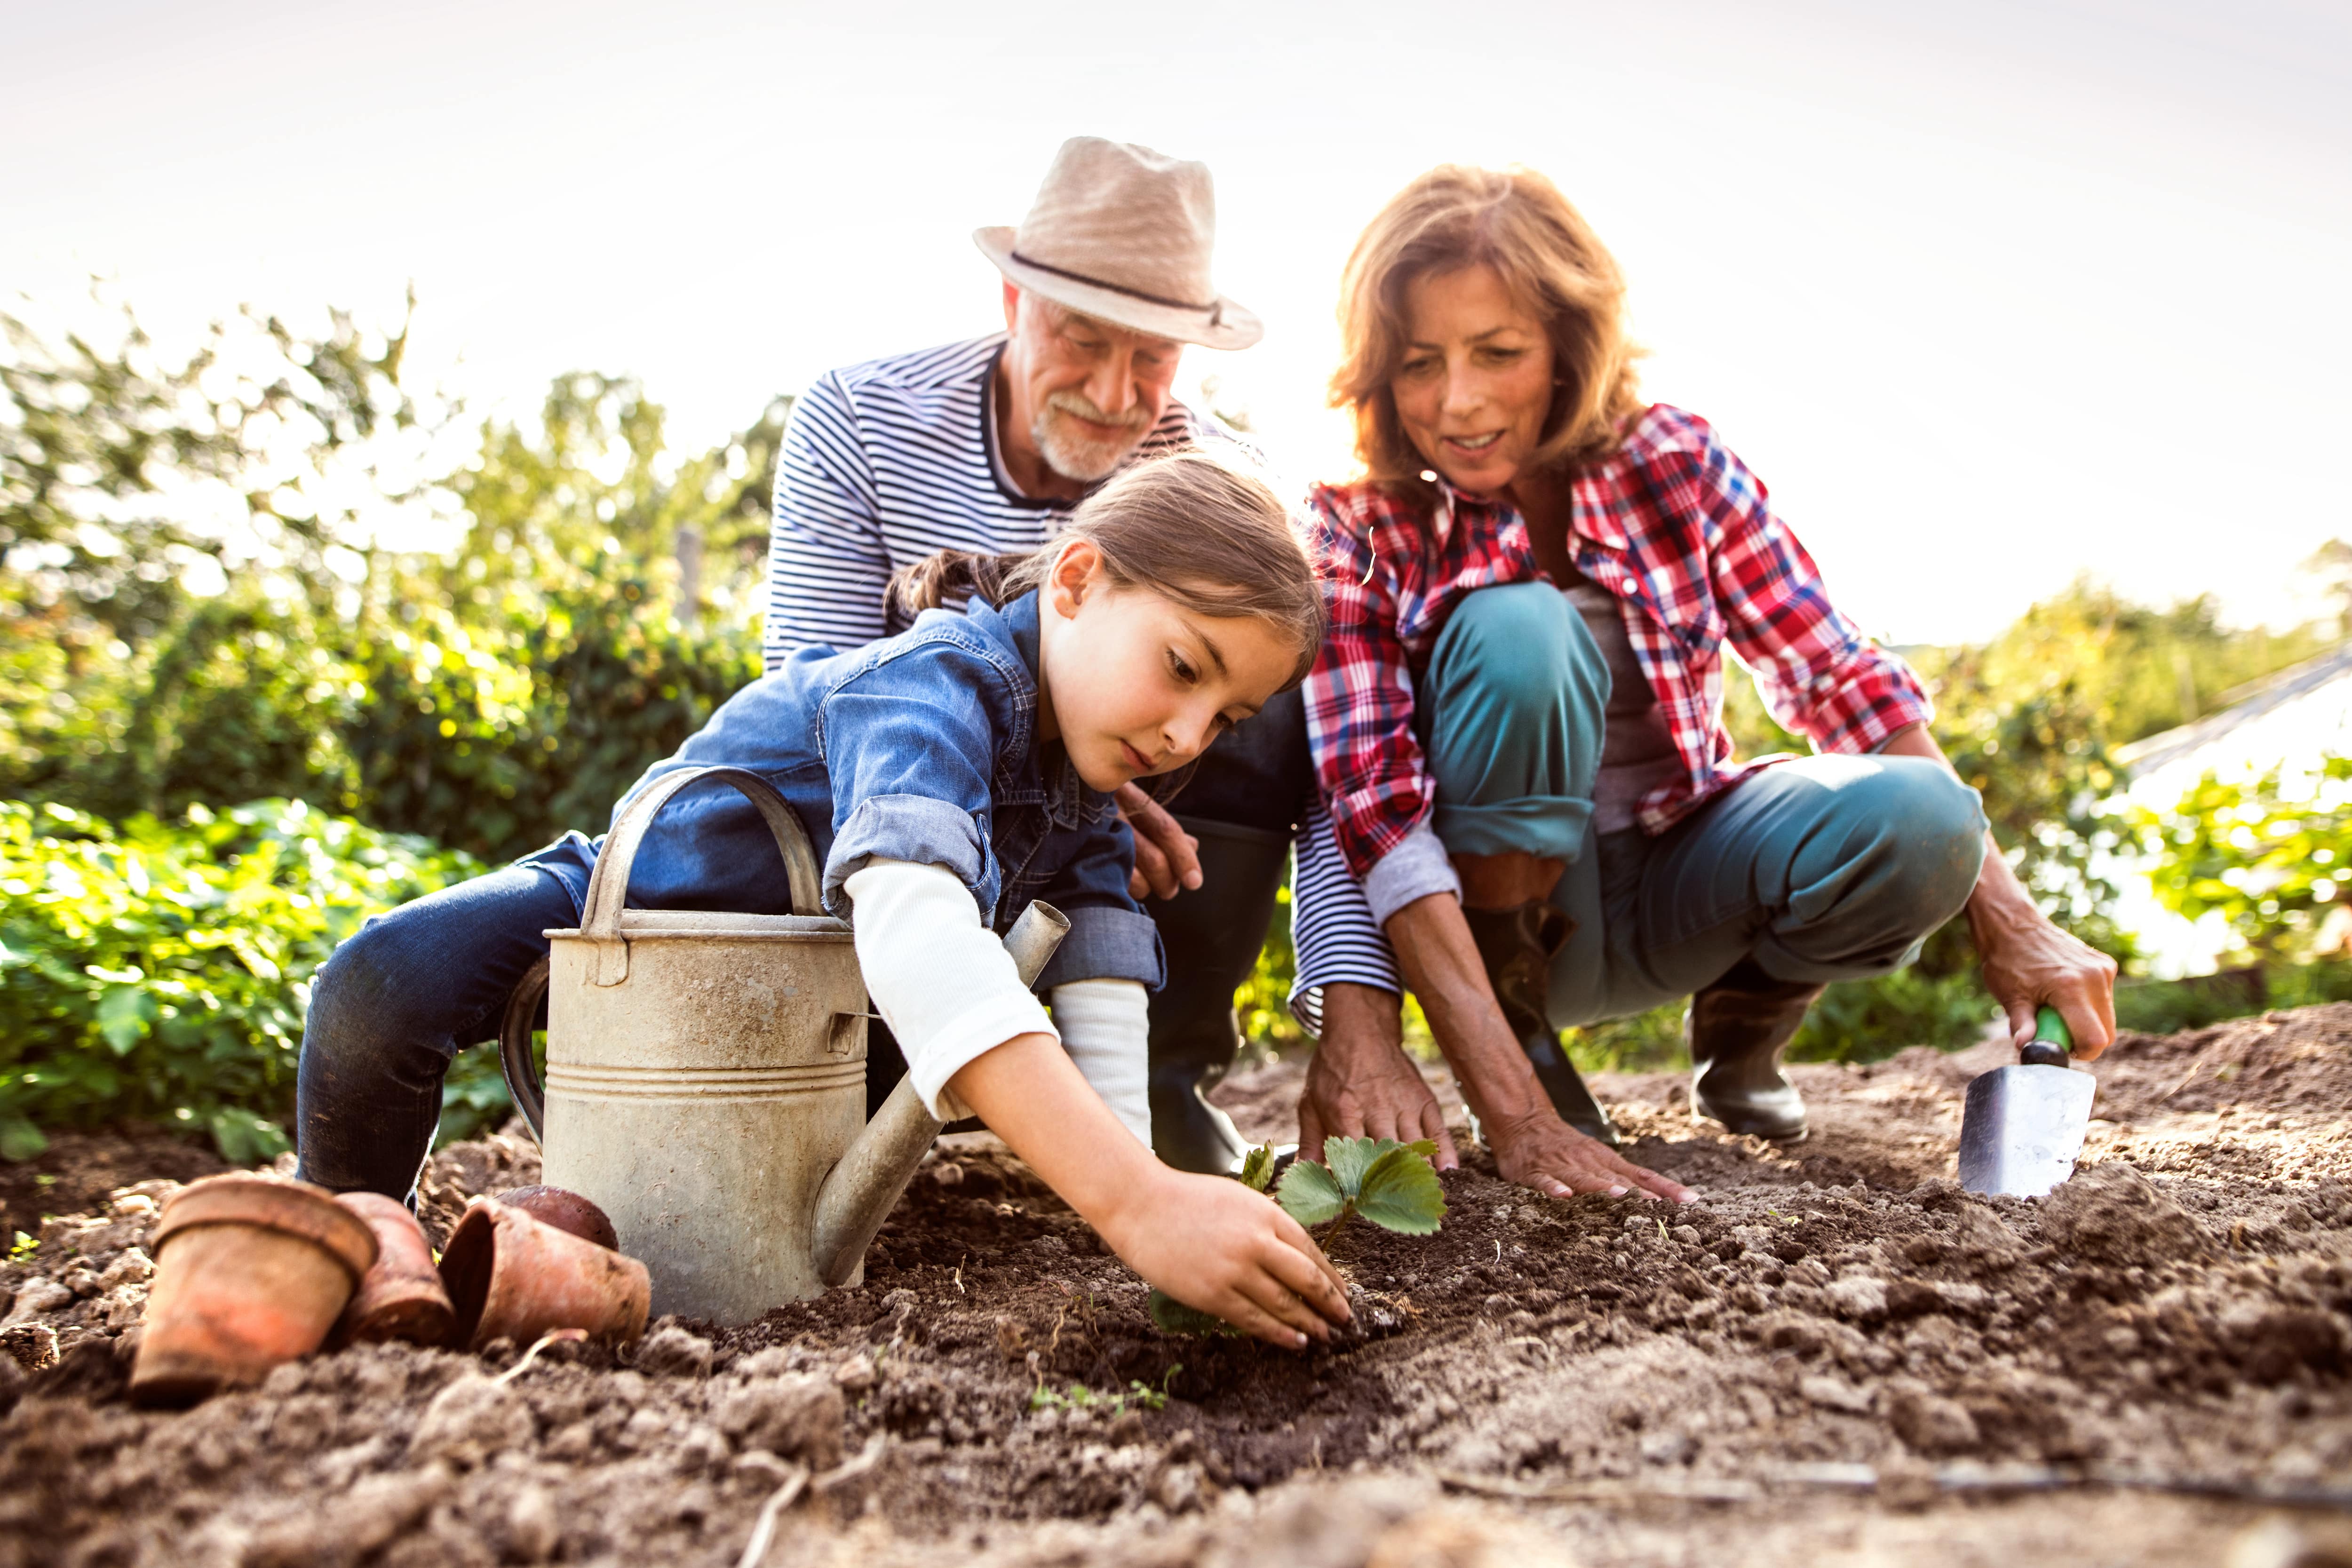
{"x":158,"y":971}
{"x":2272,"y":859}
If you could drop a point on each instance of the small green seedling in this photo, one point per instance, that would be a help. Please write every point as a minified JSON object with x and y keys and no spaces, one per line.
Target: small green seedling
{"x":1080,"y":1397}
{"x":1392,"y":1184}
{"x":23,"y":1247}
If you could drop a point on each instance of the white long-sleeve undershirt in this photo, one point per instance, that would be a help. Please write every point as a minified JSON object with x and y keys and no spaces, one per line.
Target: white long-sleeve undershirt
{"x":949,"y":993}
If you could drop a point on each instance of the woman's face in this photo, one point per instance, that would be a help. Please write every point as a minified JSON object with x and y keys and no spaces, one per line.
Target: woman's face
{"x":1476,"y":380}
{"x":1137,"y":684}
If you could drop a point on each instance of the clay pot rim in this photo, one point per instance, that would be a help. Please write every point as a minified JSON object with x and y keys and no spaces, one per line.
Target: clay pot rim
{"x":271,"y":1203}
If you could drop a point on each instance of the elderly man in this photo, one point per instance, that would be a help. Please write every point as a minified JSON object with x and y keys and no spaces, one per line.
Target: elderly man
{"x":987,"y":445}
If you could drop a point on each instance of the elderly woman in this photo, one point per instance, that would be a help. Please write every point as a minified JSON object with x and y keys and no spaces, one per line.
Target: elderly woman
{"x":1518,"y":717}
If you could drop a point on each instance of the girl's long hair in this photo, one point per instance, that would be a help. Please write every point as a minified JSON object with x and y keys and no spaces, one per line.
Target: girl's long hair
{"x":1517,"y":222}
{"x":1188,"y":527}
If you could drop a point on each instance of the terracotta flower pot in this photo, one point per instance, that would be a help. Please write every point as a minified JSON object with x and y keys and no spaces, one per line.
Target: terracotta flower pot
{"x":565,"y":1210}
{"x":250,"y":1272}
{"x":403,"y":1296}
{"x":512,"y":1275}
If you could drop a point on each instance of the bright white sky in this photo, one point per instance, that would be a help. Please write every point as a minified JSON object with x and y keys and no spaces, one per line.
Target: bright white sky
{"x":1989,"y":293}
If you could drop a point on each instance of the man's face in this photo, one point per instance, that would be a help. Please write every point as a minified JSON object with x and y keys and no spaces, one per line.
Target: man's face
{"x":1082,"y":390}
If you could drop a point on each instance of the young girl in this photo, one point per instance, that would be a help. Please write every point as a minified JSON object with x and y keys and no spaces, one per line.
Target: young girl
{"x":947,"y":777}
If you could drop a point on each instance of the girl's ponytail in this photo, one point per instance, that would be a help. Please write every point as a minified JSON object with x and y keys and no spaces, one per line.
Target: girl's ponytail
{"x":1190,"y":527}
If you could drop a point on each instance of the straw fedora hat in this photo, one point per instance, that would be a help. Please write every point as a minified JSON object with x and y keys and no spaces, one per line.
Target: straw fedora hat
{"x":1122,"y":233}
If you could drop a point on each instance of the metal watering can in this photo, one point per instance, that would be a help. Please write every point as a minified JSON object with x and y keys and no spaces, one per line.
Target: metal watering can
{"x":706,"y":1077}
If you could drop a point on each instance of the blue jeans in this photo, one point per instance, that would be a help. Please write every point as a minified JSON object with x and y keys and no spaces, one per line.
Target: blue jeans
{"x":398,"y":1000}
{"x":1822,"y":869}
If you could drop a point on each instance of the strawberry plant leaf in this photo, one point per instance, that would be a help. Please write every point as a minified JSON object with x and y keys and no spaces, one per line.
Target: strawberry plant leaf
{"x":1176,"y":1318}
{"x":1308,"y":1194}
{"x":1350,"y":1158}
{"x":1258,"y":1168}
{"x":1400,"y":1191}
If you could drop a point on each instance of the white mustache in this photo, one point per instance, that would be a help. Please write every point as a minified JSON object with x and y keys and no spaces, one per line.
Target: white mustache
{"x":1078,"y":403}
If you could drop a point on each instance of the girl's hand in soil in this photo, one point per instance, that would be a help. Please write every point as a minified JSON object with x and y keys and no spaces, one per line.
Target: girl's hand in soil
{"x":1539,"y":1150}
{"x":1210,"y":1242}
{"x":1214,"y":1245}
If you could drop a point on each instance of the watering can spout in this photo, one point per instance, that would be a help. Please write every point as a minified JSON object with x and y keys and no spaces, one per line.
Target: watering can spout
{"x":865,"y":1186}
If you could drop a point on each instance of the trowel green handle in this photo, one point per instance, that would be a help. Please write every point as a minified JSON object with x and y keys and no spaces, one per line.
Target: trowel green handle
{"x":2051,"y":1046}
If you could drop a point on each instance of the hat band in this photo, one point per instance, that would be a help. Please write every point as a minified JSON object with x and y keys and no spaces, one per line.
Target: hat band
{"x":1115,"y":288}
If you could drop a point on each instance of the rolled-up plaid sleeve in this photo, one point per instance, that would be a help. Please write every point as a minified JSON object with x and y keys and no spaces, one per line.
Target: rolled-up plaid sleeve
{"x":1819,"y":674}
{"x":1360,"y":699}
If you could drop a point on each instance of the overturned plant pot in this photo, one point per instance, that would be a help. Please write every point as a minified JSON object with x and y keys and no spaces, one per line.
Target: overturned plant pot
{"x":251,"y":1271}
{"x":565,"y":1210}
{"x":402,"y":1297}
{"x":511,"y":1275}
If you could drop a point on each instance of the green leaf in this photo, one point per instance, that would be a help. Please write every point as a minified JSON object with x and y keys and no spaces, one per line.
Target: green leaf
{"x":122,"y":1016}
{"x":1350,"y":1158}
{"x":1258,"y":1168}
{"x":1176,"y":1318}
{"x":20,"y":1139}
{"x":245,"y":1139}
{"x":1308,"y":1194}
{"x":1400,"y":1191}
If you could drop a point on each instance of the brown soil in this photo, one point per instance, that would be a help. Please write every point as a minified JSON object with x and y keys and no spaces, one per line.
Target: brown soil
{"x":1836,"y":1358}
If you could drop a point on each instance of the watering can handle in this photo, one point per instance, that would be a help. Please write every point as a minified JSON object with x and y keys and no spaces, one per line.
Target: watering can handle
{"x":608,"y":884}
{"x":514,"y":1047}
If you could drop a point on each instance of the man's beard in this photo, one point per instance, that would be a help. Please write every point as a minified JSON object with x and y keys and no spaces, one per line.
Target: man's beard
{"x":1076,"y":456}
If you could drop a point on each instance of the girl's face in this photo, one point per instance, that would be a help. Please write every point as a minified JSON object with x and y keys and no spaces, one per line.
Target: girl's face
{"x":1476,"y":380}
{"x":1133,"y":683}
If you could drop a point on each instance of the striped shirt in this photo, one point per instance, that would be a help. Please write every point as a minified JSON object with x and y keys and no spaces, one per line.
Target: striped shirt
{"x":885,"y":463}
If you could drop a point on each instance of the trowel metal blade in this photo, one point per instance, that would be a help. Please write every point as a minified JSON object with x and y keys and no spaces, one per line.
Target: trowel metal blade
{"x":2024,"y":1127}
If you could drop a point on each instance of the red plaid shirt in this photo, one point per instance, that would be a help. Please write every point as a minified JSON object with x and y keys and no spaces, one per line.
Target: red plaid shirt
{"x":1677,"y":528}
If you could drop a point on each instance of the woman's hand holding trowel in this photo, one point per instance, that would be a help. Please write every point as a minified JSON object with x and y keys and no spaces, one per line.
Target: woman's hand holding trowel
{"x":2032,"y":963}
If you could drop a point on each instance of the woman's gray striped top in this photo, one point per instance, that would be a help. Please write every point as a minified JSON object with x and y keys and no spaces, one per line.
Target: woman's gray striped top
{"x":887,"y":461}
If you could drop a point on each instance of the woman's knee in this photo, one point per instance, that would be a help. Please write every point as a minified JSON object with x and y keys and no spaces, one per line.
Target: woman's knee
{"x":1523,"y":648}
{"x":1938,"y":833}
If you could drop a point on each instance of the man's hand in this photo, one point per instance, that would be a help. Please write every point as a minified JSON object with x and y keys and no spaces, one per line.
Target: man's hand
{"x":1167,"y":858}
{"x":2028,"y":962}
{"x":1541,"y":1151}
{"x":1361,"y":1083}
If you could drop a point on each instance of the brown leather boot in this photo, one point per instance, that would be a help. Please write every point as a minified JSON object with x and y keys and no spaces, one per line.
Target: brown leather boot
{"x":1517,"y":945}
{"x":1736,"y":1029}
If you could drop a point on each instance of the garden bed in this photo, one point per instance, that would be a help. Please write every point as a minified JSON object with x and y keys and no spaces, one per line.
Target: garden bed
{"x":1836,"y":1357}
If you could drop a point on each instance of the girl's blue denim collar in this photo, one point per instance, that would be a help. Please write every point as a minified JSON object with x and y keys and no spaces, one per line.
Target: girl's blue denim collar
{"x":1068,"y":799}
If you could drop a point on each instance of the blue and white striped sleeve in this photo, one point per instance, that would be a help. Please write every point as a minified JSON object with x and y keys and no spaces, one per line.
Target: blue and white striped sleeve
{"x":1331,"y":923}
{"x":828,"y":563}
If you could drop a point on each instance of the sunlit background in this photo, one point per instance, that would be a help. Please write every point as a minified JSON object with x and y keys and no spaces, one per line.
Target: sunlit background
{"x":1991,"y":294}
{"x":2034,"y":316}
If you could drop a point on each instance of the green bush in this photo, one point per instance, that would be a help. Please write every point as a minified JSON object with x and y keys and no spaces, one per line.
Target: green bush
{"x":159,"y":970}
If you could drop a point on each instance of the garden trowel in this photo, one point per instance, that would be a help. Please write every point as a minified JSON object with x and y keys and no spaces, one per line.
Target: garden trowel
{"x":2024,"y":1125}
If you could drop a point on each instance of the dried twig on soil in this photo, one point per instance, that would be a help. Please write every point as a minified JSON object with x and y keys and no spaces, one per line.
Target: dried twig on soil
{"x":764,"y":1529}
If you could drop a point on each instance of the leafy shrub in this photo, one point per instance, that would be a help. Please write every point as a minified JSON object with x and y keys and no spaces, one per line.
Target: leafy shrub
{"x":2272,"y":860}
{"x":159,"y":970}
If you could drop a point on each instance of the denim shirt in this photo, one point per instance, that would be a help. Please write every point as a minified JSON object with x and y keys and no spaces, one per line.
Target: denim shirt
{"x":920,"y":747}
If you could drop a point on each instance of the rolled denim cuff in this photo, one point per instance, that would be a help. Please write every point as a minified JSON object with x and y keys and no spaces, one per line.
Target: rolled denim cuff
{"x":1550,"y":826}
{"x":1107,"y":944}
{"x":1415,"y":868}
{"x":905,"y":827}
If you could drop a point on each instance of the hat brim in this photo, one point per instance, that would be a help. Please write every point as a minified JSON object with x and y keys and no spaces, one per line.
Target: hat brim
{"x":1225,"y":325}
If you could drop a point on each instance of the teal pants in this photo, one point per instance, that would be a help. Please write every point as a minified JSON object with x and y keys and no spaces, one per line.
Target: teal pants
{"x":1826,"y":868}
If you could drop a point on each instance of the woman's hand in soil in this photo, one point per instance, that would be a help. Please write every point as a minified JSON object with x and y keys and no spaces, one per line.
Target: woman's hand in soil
{"x":1214,"y":1245}
{"x":1541,"y":1151}
{"x":1167,"y":858}
{"x":1360,"y":1082}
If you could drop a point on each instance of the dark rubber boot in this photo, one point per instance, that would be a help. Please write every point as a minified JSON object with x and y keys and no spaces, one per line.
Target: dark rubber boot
{"x":1211,"y":939}
{"x":1518,"y":946}
{"x":1736,"y":1029}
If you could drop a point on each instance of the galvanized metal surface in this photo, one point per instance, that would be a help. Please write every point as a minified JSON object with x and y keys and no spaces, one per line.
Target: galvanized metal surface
{"x":2022,"y":1129}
